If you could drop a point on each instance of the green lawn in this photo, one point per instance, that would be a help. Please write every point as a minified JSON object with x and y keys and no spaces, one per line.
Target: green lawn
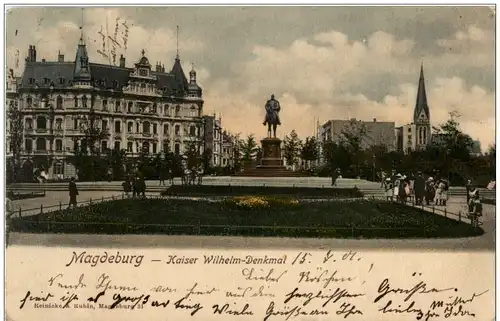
{"x":338,"y":218}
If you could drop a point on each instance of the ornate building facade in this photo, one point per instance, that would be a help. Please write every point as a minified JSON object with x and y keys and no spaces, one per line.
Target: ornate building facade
{"x":140,"y":108}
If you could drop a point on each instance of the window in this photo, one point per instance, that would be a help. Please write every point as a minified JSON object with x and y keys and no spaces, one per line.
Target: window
{"x":104,"y":124}
{"x":143,"y":88}
{"x":130,"y":106}
{"x":76,"y":102}
{"x":165,"y":147}
{"x":59,"y":124}
{"x":145,"y":147}
{"x":155,"y":130}
{"x":32,"y":81}
{"x":28,"y":145}
{"x":29,"y":123}
{"x":61,"y":81}
{"x":130,"y":127}
{"x":154,"y":148}
{"x":118,"y":126}
{"x":165,"y":110}
{"x":177,"y":130}
{"x":41,"y":122}
{"x":155,"y":108}
{"x":177,"y":110}
{"x":58,"y":168}
{"x":104,"y":146}
{"x":192,"y":131}
{"x":105,"y":105}
{"x":84,"y":101}
{"x":75,"y":123}
{"x":177,"y":148}
{"x":46,"y":81}
{"x":59,"y":102}
{"x":146,"y":127}
{"x":59,"y":145}
{"x":117,"y":106}
{"x":143,"y":72}
{"x":165,"y":129}
{"x":41,"y":144}
{"x":117,"y":145}
{"x":130,"y":147}
{"x":29,"y":102}
{"x":137,"y":129}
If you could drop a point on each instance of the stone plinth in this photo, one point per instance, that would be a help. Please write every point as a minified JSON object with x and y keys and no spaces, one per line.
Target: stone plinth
{"x":271,"y":164}
{"x":271,"y":153}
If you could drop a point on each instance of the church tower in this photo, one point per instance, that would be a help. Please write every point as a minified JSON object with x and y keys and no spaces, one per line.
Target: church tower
{"x":421,"y":115}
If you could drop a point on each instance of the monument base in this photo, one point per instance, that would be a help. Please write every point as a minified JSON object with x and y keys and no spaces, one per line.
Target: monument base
{"x":271,"y":164}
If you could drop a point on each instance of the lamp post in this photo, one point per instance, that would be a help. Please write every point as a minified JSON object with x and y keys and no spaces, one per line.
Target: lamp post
{"x":374,"y":168}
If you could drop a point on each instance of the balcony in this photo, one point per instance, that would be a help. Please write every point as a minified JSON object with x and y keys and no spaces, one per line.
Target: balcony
{"x":41,"y":130}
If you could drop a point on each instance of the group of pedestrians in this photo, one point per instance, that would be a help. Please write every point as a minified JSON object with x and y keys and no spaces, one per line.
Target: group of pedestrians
{"x":135,"y":184}
{"x":402,"y":188}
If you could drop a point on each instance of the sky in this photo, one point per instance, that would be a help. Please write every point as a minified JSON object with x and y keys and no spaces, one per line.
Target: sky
{"x":321,"y":63}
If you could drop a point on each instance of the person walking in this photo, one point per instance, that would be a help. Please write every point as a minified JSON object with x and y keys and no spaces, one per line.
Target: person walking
{"x":126,"y":186}
{"x":468,"y":189}
{"x":388,"y":189}
{"x":419,"y":188}
{"x":73,"y":192}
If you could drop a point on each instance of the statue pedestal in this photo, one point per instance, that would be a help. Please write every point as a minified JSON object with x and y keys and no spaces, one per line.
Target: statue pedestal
{"x":271,"y":153}
{"x":271,"y":164}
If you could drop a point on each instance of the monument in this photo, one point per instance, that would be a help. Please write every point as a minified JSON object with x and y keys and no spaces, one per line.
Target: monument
{"x":271,"y":145}
{"x":271,"y":163}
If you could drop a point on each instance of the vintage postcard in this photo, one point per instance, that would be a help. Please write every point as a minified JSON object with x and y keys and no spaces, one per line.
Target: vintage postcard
{"x":250,"y":163}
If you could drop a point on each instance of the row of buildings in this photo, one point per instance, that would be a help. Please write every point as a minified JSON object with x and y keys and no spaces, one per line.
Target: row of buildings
{"x":414,"y":136}
{"x":142,"y":108}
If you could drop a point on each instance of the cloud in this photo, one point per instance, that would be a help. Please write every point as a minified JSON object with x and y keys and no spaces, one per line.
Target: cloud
{"x":324,"y":77}
{"x":326,"y":63}
{"x":159,"y":43}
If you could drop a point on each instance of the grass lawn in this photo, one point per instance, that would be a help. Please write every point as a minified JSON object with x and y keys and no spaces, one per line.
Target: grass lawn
{"x":275,"y":217}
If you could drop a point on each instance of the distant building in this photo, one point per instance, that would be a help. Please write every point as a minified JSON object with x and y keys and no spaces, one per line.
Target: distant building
{"x":374,"y":133}
{"x":213,"y":138}
{"x":417,"y":135}
{"x":228,"y":146}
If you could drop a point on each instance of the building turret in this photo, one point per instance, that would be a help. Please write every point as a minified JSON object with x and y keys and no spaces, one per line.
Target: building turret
{"x":81,"y":73}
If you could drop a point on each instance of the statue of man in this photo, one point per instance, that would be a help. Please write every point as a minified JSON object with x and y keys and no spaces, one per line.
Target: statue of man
{"x":272,"y":115}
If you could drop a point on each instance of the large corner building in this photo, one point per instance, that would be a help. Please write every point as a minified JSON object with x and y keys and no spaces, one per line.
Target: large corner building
{"x":142,"y":108}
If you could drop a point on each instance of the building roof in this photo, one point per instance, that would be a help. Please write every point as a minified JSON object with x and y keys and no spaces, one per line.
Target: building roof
{"x":62,"y":74}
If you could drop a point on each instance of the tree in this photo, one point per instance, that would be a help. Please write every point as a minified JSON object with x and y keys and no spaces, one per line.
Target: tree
{"x":16,"y":132}
{"x":249,"y":148}
{"x":237,"y":152}
{"x":352,"y":138}
{"x":453,"y":148}
{"x":335,"y":156}
{"x":291,"y":148}
{"x":310,"y":150}
{"x":192,"y":154}
{"x":87,"y":157}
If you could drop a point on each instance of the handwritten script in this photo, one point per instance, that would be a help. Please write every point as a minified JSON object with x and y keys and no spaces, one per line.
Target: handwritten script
{"x":322,"y":285}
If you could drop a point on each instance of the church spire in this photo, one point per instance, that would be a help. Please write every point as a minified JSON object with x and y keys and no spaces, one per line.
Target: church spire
{"x":421,"y":113}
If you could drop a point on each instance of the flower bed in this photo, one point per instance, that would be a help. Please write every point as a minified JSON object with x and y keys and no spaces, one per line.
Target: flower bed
{"x":250,"y":216}
{"x":228,"y":190}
